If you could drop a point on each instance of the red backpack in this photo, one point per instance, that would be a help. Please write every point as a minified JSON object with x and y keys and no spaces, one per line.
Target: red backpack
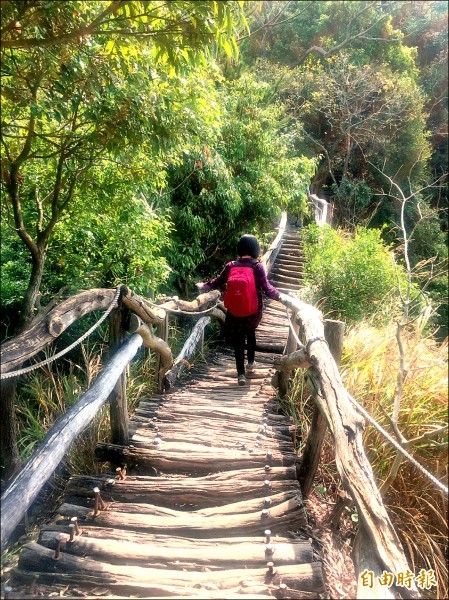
{"x":240,"y":297}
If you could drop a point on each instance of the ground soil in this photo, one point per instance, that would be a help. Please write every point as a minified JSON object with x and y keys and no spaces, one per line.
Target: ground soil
{"x":335,"y":546}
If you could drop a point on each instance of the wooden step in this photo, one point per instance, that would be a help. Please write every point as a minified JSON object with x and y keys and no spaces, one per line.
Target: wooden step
{"x":203,"y":492}
{"x":128,"y":579}
{"x":181,"y":553}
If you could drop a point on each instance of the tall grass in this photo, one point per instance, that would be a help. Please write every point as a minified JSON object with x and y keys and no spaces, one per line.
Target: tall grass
{"x":369,"y":370}
{"x":47,"y":393}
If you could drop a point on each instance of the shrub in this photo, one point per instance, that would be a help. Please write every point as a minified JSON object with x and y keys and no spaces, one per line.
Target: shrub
{"x":352,"y":276}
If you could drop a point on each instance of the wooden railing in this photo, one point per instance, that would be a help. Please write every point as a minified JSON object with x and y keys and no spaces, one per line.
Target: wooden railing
{"x":378,"y":548}
{"x":109,"y":386}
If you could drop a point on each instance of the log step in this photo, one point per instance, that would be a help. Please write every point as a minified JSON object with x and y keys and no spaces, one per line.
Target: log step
{"x":191,"y":461}
{"x":181,"y":553}
{"x":280,"y":519}
{"x":187,"y":491}
{"x":138,"y":579}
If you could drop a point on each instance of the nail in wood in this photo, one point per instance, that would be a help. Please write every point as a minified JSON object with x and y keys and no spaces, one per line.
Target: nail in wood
{"x":74,"y":520}
{"x":57,"y":549}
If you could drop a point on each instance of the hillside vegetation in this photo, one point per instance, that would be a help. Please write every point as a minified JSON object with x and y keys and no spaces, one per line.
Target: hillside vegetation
{"x":141,"y":139}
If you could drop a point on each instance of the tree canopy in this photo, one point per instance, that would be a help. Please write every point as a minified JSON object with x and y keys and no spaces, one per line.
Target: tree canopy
{"x":140,"y":139}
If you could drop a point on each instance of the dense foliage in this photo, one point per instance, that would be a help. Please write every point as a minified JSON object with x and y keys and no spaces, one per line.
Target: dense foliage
{"x":106,"y":104}
{"x":239,"y":185}
{"x":353,"y":276}
{"x":96,"y":92}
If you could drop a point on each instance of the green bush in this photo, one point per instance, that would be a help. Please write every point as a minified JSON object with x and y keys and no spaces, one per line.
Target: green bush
{"x":352,"y":276}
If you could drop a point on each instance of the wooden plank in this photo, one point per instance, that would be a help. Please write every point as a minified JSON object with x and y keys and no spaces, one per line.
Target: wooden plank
{"x":211,"y":490}
{"x":287,"y":516}
{"x":191,"y":461}
{"x":37,"y":558}
{"x":175,"y":555}
{"x":24,"y":488}
{"x":265,"y":500}
{"x":215,"y":425}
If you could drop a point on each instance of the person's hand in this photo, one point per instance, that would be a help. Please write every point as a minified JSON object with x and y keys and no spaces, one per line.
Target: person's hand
{"x":200,"y":285}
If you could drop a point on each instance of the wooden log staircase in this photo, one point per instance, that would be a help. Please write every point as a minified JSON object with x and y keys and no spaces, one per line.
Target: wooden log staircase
{"x":205,"y":501}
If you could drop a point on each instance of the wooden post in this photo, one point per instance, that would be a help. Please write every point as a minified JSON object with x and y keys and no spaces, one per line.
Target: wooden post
{"x":161,"y":332}
{"x":118,"y":405}
{"x":284,"y":376}
{"x":333,"y":333}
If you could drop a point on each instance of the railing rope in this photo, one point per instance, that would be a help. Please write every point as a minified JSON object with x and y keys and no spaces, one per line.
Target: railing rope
{"x":66,"y":350}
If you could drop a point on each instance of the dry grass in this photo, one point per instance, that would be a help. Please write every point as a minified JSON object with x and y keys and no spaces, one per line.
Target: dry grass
{"x":418,"y":509}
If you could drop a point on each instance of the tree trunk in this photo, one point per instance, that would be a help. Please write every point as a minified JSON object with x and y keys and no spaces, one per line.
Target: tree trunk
{"x":27,"y":310}
{"x":10,"y":458}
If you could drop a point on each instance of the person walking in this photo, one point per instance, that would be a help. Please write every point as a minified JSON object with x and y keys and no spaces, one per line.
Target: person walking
{"x":243,"y":281}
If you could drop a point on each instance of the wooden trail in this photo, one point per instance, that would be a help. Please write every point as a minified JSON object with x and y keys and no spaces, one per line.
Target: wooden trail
{"x":209,"y":507}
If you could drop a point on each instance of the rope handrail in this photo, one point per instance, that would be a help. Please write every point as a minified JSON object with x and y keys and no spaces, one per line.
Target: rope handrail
{"x":380,"y":429}
{"x":66,"y":350}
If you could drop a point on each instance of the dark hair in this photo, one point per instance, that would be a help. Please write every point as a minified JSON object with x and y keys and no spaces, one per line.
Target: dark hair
{"x":248,"y":245}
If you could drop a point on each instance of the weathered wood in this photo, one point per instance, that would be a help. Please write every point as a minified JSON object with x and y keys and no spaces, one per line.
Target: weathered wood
{"x":162,"y":333}
{"x":92,"y":583}
{"x":83,"y":507}
{"x":364,"y":556}
{"x":270,"y":255}
{"x":190,"y":461}
{"x":292,"y":343}
{"x":37,"y":558}
{"x":198,"y":304}
{"x":145,"y":438}
{"x":24,"y":346}
{"x":346,"y":427}
{"x":287,"y":516}
{"x":294,"y":360}
{"x":24,"y":488}
{"x":269,"y":347}
{"x":214,"y":422}
{"x":199,"y":491}
{"x":176,"y":554}
{"x":118,"y":405}
{"x":154,"y":343}
{"x":308,"y":466}
{"x":187,"y":351}
{"x":218,"y":314}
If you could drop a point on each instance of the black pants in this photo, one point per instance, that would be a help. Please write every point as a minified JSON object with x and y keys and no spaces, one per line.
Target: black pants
{"x":238,"y":343}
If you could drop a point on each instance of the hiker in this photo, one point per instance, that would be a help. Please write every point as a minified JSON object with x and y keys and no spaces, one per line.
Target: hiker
{"x":243,"y":280}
